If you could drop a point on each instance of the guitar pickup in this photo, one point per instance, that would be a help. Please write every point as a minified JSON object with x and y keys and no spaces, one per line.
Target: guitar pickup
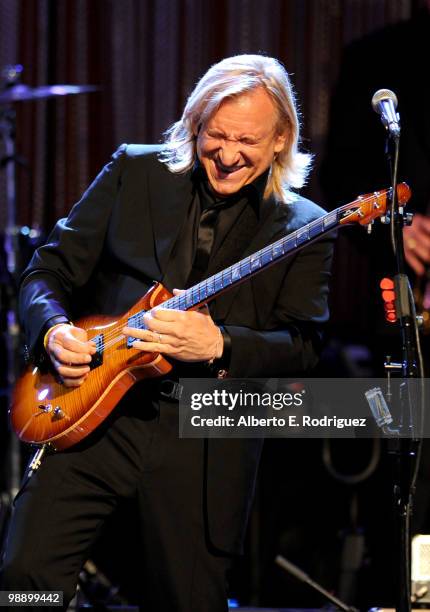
{"x":97,"y":358}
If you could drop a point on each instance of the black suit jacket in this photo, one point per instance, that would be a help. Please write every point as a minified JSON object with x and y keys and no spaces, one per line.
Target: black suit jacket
{"x":119,"y":238}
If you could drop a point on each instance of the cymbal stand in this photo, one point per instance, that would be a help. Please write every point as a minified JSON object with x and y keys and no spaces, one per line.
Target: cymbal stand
{"x":12,"y":332}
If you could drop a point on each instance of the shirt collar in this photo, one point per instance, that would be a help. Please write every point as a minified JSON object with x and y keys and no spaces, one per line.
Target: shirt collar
{"x":254,"y":192}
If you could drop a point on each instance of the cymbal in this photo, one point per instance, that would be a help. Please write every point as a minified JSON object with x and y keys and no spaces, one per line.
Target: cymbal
{"x":19,"y":92}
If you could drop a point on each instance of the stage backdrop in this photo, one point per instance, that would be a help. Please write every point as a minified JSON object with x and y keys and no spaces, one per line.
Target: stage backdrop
{"x":146,"y":55}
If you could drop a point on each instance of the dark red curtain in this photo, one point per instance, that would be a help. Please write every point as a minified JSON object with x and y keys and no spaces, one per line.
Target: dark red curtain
{"x":145,"y":56}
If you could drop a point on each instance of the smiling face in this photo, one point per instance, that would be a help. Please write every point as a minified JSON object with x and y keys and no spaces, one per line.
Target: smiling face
{"x":239,"y":141}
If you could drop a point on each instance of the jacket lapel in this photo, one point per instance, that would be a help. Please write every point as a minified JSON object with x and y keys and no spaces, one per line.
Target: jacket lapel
{"x":274,"y":224}
{"x":171,"y":199}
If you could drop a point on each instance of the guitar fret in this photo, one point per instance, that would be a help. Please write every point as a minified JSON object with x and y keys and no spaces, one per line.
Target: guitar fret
{"x":245,"y":266}
{"x":226,"y":275}
{"x":330,"y":219}
{"x":255,"y":262}
{"x":316,"y":228}
{"x":218,"y":285}
{"x":202,"y":292}
{"x":290,"y":243}
{"x":278,"y":248}
{"x":236,"y":275}
{"x":302,"y":235}
{"x":210,"y":285}
{"x":137,"y":321}
{"x":266,"y":257}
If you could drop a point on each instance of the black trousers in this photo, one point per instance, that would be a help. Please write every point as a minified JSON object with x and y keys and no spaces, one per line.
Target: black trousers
{"x":59,"y":511}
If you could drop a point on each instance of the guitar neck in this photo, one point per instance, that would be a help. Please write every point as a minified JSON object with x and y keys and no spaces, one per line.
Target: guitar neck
{"x":363,"y":211}
{"x":247,"y":267}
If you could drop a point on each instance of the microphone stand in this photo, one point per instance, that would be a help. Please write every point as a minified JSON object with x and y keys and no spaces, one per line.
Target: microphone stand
{"x":404,"y":446}
{"x":303,"y":577}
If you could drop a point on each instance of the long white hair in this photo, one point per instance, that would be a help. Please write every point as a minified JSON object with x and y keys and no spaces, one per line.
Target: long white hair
{"x":230,"y":78}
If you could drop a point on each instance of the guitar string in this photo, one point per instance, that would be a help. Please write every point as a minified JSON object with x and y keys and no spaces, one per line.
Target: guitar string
{"x":111,"y":338}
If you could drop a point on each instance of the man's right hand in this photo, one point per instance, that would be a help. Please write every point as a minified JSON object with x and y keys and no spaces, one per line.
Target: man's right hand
{"x":70,"y":352}
{"x":417,"y":243}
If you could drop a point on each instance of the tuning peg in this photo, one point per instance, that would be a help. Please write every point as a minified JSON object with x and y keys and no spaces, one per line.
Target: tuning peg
{"x":420,"y":321}
{"x":408,"y":218}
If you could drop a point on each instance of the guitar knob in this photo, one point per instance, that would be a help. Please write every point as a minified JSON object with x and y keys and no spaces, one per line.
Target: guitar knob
{"x":46,"y":408}
{"x":408,"y":218}
{"x":58,"y":413}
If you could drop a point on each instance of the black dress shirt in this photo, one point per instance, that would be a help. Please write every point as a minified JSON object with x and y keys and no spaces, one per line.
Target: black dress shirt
{"x":216,"y":233}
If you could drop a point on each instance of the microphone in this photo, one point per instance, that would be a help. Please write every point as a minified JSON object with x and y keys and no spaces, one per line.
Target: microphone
{"x":384,"y":102}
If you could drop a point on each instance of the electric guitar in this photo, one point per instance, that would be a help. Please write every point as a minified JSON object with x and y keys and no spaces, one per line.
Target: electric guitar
{"x":45,"y":412}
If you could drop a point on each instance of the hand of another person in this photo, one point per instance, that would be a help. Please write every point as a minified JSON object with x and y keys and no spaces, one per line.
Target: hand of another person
{"x":70,"y":352}
{"x":416,"y":239}
{"x":184,"y":335}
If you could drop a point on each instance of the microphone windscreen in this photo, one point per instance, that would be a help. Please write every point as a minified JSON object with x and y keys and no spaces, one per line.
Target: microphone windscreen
{"x":380,"y":96}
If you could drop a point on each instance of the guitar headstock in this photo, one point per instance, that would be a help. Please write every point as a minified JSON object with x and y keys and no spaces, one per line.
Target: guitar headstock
{"x":371,"y":206}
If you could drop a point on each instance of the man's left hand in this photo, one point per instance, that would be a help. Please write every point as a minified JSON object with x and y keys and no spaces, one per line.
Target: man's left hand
{"x":184,"y":335}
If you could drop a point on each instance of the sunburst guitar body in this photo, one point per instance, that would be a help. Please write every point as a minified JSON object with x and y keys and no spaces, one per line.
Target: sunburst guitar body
{"x":45,"y":411}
